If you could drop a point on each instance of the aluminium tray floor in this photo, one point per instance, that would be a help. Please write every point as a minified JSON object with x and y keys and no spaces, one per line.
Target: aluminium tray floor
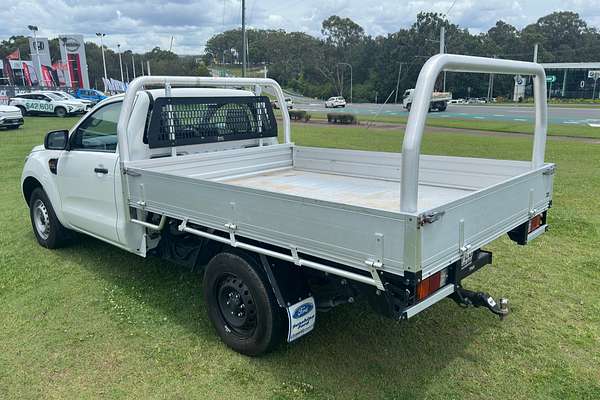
{"x":363,"y":192}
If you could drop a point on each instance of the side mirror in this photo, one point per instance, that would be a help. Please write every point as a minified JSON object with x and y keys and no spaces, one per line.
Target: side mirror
{"x":56,"y":140}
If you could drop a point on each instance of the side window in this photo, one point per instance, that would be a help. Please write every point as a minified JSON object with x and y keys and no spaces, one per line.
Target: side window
{"x":99,"y":131}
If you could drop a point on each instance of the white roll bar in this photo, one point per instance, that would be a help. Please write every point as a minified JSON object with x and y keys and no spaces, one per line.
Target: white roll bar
{"x":411,"y":147}
{"x":189,"y":81}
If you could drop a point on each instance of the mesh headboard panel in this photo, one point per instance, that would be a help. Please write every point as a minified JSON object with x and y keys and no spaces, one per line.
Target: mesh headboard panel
{"x":180,"y":121}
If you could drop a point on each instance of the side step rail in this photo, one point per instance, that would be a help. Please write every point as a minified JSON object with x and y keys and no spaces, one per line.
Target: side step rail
{"x":293,"y":258}
{"x":275,"y":254}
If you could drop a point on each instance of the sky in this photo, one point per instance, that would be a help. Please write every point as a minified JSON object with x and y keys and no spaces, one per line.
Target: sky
{"x":142,"y":25}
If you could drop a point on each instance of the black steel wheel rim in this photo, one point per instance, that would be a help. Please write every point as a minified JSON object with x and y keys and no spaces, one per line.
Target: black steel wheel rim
{"x":236,"y":305}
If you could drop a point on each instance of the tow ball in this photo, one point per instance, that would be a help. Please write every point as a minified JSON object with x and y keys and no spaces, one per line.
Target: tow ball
{"x":466,"y":298}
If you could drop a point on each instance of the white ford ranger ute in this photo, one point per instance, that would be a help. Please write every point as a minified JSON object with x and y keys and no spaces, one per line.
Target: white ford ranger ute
{"x":192,"y":170}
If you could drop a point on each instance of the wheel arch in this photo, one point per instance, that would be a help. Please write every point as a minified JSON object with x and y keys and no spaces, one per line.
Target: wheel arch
{"x":36,"y":174}
{"x":29,"y":185}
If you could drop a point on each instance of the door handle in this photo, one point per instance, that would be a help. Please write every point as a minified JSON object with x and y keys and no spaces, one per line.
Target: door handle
{"x":100,"y":170}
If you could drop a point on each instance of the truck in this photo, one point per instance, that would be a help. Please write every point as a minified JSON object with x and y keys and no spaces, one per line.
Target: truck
{"x":190,"y":169}
{"x":439,"y":100}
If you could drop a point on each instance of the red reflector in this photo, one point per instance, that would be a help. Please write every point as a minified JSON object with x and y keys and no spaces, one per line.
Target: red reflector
{"x":428,"y":286}
{"x":535,"y":223}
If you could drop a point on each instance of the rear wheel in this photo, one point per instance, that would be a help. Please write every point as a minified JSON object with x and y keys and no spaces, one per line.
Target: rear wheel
{"x":241,"y":304}
{"x":60,"y":112}
{"x":48,"y":230}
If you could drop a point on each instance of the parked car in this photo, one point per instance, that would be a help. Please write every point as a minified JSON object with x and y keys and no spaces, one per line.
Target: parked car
{"x":67,"y":96}
{"x":476,"y":100}
{"x":335,"y":102}
{"x":284,"y":230}
{"x":456,"y":101}
{"x":10,"y":117}
{"x":40,"y":103}
{"x":93,"y":95}
{"x":288,"y":102}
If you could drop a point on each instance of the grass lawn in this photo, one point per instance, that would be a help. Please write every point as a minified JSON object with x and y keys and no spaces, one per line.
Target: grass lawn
{"x":92,"y":321}
{"x":479,"y":125}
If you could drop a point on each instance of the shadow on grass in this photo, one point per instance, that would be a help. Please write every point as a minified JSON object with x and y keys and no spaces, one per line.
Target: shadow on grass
{"x":353,"y":352}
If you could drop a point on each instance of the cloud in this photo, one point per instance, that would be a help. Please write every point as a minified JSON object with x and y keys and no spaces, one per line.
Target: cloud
{"x":142,"y":25}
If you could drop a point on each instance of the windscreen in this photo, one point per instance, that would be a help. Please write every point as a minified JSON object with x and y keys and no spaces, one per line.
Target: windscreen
{"x":180,"y":121}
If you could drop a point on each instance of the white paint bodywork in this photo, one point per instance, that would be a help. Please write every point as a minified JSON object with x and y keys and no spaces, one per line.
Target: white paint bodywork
{"x":334,"y":102}
{"x":409,"y":96}
{"x":47,"y":107}
{"x":9,"y":113}
{"x":365,"y":210}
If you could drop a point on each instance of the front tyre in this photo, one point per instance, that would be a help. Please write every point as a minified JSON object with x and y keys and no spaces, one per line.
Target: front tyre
{"x":241,"y":304}
{"x":48,"y":230}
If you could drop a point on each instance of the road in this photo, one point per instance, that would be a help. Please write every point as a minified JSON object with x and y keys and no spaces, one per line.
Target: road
{"x":556,"y":114}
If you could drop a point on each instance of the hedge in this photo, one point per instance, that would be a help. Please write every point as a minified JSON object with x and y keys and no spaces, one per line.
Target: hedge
{"x":341,"y":118}
{"x":299,"y":115}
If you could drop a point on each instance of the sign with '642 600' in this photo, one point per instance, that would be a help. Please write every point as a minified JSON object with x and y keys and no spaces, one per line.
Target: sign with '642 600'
{"x":39,"y":106}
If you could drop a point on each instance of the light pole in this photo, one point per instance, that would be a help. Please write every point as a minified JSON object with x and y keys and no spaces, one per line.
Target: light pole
{"x":133,"y":64}
{"x":243,"y":38}
{"x":101,"y":35}
{"x":443,"y":49}
{"x":398,"y":83}
{"x":343,"y":63}
{"x":120,"y":62}
{"x":34,"y":29}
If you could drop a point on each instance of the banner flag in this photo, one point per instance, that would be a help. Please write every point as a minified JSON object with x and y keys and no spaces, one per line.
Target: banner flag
{"x":15,"y":55}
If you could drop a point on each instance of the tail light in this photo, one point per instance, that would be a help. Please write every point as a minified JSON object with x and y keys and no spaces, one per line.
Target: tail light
{"x":535,"y":222}
{"x":432,"y":283}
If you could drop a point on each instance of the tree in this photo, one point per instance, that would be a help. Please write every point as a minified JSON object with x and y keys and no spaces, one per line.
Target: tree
{"x":341,"y":33}
{"x":202,"y":70}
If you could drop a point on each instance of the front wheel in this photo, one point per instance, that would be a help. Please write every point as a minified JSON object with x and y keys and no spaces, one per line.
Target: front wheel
{"x":48,"y":230}
{"x":241,"y":304}
{"x":23,"y":110}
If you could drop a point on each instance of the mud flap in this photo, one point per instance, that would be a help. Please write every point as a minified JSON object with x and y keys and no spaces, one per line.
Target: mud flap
{"x":301,"y":318}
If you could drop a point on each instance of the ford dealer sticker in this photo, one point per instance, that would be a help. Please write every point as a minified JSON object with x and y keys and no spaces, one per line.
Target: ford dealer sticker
{"x":301,"y":317}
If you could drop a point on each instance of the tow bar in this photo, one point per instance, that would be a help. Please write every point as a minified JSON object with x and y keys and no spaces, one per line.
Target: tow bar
{"x":466,"y":298}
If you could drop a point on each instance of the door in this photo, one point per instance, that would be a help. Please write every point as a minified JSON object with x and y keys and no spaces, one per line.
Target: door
{"x":38,"y":103}
{"x":86,"y":174}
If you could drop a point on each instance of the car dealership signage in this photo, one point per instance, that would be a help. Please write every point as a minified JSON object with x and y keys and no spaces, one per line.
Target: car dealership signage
{"x":72,"y":52}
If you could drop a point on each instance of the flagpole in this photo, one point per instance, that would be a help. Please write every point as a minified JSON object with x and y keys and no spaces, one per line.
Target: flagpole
{"x":21,"y":65}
